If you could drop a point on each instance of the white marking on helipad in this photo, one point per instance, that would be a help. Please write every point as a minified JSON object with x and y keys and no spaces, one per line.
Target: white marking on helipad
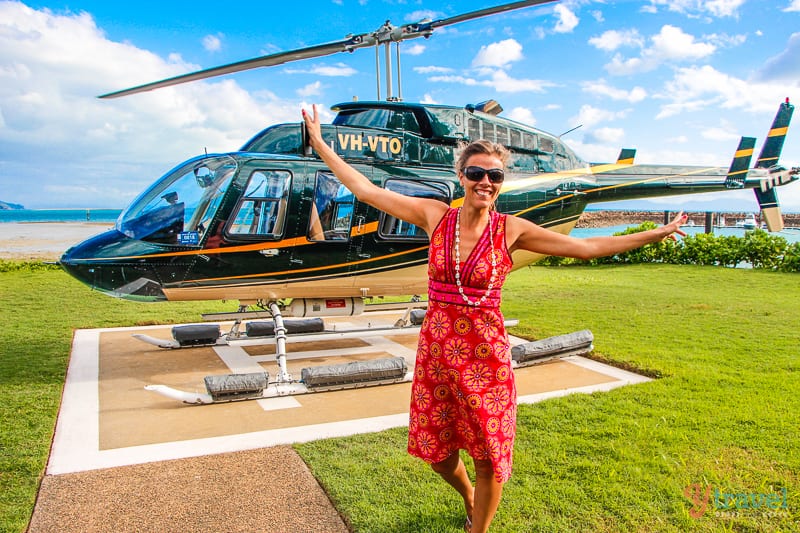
{"x":75,"y":445}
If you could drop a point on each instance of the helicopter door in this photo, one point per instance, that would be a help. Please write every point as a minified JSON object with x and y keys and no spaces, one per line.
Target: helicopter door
{"x":330,"y":214}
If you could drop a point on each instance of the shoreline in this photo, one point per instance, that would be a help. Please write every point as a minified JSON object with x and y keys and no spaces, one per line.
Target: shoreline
{"x":44,"y":241}
{"x":47,"y":241}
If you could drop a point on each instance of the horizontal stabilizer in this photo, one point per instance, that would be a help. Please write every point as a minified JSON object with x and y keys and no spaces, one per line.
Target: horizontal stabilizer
{"x":770,"y":210}
{"x":626,"y":156}
{"x":772,"y":217}
{"x":740,"y":164}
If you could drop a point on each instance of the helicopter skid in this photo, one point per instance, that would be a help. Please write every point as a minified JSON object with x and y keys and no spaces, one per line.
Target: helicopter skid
{"x":275,"y":390}
{"x":228,"y":340}
{"x":171,"y":344}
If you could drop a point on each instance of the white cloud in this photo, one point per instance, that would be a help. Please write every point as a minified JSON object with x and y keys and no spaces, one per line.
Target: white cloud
{"x":212,"y":43}
{"x":51,"y":68}
{"x":337,"y":70}
{"x":601,"y":88}
{"x":590,"y":150}
{"x":422,"y":14}
{"x":414,"y":49}
{"x":716,"y":8}
{"x":433,"y":69}
{"x":588,"y":116}
{"x":607,"y":135}
{"x":506,"y":84}
{"x":793,"y":6}
{"x":498,"y":54}
{"x":696,"y":88}
{"x":613,"y":39}
{"x":312,"y":89}
{"x":680,"y":139}
{"x":488,"y":66}
{"x":522,"y":114}
{"x":723,"y":40}
{"x":723,"y":8}
{"x":784,"y":66}
{"x":671,"y":44}
{"x":725,"y":132}
{"x":498,"y":80}
{"x":567,"y":20}
{"x":428,"y":99}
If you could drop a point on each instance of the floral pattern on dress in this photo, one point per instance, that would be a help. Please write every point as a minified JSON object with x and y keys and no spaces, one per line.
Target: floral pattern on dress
{"x":464,"y":394}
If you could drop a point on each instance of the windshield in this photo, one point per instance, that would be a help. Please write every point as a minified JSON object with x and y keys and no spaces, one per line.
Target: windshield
{"x":177,"y":209}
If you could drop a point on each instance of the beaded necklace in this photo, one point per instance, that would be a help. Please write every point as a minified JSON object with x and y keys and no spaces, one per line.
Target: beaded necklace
{"x":492,"y":278}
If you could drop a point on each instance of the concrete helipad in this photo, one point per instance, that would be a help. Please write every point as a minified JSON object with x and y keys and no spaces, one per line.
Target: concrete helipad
{"x":108,"y":419}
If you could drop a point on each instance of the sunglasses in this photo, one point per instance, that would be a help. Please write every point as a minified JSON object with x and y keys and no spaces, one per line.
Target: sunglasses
{"x":496,"y":175}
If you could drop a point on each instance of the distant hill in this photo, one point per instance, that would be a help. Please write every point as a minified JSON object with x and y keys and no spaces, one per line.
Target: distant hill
{"x":6,"y":205}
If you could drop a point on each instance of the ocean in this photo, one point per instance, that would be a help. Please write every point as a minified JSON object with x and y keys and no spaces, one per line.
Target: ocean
{"x":59,"y":215}
{"x":109,"y":216}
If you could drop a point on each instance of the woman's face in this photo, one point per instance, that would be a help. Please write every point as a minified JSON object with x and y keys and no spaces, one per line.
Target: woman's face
{"x":481,"y":194}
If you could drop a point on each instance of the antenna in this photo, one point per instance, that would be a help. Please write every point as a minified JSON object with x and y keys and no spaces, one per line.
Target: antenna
{"x":570,"y":131}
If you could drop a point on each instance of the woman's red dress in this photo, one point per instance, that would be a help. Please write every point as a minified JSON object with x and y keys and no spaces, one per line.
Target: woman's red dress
{"x":463,"y":394}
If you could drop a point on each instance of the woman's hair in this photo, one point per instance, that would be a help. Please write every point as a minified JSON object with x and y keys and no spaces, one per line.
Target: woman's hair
{"x":481,"y":146}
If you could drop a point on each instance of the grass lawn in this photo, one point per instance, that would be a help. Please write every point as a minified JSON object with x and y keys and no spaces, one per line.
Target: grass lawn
{"x":724,"y":412}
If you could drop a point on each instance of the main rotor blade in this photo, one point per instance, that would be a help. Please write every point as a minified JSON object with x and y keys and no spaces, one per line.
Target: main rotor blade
{"x":384,"y":34}
{"x":347,"y":45}
{"x":488,"y":11}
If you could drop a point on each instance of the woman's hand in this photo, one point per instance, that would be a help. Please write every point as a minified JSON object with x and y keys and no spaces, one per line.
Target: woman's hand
{"x":313,"y":127}
{"x":674,"y":227}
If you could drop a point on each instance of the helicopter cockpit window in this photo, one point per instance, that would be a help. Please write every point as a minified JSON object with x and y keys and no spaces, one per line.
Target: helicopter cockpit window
{"x":529,"y":141}
{"x":261,"y":212}
{"x":331,"y":211}
{"x":392,"y":228}
{"x":449,"y":122}
{"x":474,"y":128}
{"x":178,"y":208}
{"x":501,"y":133}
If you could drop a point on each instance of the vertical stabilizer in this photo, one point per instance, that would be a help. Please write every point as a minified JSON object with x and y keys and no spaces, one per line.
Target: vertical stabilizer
{"x":773,"y":146}
{"x":626,"y":156}
{"x":770,"y":154}
{"x":740,"y":164}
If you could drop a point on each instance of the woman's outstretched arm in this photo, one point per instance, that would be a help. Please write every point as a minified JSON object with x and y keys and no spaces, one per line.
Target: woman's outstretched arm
{"x":525,"y":235}
{"x":422,"y":212}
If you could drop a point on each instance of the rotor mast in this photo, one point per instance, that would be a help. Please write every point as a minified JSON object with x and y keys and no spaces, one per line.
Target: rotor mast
{"x":386,"y":35}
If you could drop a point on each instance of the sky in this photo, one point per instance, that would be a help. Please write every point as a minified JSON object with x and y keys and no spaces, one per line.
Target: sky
{"x":679,"y":80}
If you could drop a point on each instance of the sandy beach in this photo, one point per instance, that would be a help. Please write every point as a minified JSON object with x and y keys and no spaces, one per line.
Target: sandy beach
{"x":44,"y":240}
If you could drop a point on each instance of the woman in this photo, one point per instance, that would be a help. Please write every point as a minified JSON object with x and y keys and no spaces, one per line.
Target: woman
{"x":463,"y":395}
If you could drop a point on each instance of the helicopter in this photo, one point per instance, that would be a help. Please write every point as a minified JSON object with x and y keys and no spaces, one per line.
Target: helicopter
{"x":270,"y":225}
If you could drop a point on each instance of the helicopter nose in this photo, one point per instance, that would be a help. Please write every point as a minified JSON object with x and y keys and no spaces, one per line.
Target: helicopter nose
{"x":104,"y":263}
